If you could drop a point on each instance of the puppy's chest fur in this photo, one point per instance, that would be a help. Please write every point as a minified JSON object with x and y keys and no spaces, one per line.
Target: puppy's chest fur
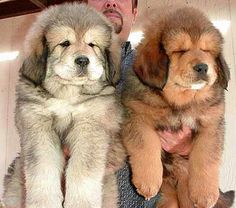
{"x":164,"y":115}
{"x":175,"y":118}
{"x":66,"y":114}
{"x":194,"y":116}
{"x":63,"y":114}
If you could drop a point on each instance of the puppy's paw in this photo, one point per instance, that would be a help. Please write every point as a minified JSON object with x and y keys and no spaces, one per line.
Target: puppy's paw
{"x":147,"y":178}
{"x":203,"y":193}
{"x":147,"y":190}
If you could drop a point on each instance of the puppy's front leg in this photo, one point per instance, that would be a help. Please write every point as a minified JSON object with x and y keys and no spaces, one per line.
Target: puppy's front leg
{"x":43,"y":163}
{"x":144,"y":150}
{"x":204,"y":167}
{"x":86,"y":167}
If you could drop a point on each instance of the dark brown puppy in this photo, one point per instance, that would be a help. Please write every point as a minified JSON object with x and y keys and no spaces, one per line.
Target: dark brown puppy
{"x":178,"y":80}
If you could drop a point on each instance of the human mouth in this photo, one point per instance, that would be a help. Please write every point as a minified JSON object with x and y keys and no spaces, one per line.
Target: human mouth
{"x":112,"y":14}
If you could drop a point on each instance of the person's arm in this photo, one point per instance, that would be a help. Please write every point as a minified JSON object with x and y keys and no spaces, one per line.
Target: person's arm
{"x":179,"y":142}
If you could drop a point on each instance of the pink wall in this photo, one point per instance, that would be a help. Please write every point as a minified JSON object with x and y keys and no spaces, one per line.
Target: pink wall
{"x":12,"y":32}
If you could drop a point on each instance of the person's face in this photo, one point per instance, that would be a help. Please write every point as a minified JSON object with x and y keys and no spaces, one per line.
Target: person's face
{"x":119,"y":12}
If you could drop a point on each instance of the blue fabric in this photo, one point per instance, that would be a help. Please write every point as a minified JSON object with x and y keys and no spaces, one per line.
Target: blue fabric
{"x":127,"y":59}
{"x":128,"y":197}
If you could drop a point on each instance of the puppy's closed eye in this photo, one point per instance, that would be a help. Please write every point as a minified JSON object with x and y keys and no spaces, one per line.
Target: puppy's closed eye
{"x":181,"y":51}
{"x":205,"y":50}
{"x":91,"y":45}
{"x":65,"y":44}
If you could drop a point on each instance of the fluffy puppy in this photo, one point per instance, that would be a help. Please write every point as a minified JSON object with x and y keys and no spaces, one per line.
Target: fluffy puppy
{"x":178,"y":80}
{"x":65,"y":99}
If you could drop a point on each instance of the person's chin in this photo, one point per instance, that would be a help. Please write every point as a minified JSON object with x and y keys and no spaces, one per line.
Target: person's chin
{"x":117,"y":24}
{"x":114,"y":20}
{"x":117,"y":28}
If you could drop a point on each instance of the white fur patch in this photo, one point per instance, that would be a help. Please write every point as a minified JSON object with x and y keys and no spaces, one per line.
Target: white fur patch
{"x":198,"y":86}
{"x":65,"y":72}
{"x":95,"y":69}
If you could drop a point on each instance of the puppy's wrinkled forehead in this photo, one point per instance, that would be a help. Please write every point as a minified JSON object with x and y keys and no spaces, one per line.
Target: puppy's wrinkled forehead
{"x":96,"y":35}
{"x":79,"y":22}
{"x":187,"y":28}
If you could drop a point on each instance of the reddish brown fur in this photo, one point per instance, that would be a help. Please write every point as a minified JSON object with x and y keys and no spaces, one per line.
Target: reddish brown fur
{"x":161,"y":98}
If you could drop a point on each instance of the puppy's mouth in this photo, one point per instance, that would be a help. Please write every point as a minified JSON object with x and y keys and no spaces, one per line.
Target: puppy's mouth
{"x":193,"y":86}
{"x":81,"y":72}
{"x":75,"y":73}
{"x":66,"y":80}
{"x":193,"y":82}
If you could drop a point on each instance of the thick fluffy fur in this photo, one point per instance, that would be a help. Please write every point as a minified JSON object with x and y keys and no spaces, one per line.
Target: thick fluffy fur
{"x":65,"y":98}
{"x":178,"y":80}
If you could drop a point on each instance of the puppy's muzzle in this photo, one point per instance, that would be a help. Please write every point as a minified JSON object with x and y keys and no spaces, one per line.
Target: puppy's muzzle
{"x":201,"y":69}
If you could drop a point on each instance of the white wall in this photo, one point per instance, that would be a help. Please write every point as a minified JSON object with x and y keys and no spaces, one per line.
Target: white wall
{"x":12,"y":31}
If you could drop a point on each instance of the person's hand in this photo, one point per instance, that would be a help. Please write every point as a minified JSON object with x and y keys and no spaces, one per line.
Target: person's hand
{"x":179,"y":142}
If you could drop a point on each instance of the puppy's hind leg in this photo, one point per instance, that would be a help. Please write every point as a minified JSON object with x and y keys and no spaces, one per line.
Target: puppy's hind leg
{"x":225,"y":200}
{"x":14,"y":193}
{"x":110,"y":192}
{"x":168,"y":196}
{"x":180,"y":171}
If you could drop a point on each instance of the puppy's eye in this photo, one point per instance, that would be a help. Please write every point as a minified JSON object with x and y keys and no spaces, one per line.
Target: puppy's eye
{"x":205,"y":50}
{"x":181,"y":51}
{"x":91,"y":45}
{"x":65,"y":44}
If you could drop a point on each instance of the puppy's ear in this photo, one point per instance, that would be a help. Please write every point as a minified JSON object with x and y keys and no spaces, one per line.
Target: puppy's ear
{"x":151,"y":62}
{"x":113,"y":59}
{"x":34,"y":66}
{"x":222,"y":71}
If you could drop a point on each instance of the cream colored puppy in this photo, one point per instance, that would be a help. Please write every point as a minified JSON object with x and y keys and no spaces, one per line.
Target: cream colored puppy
{"x":65,"y":98}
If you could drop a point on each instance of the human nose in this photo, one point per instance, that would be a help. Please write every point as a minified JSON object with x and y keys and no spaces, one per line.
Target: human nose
{"x":110,"y":4}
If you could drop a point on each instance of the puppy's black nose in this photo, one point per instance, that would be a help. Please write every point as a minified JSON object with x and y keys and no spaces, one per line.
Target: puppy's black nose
{"x":201,"y":68}
{"x":82,"y":61}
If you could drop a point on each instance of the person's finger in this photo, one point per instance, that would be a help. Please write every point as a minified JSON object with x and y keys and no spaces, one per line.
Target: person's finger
{"x":185,"y":148}
{"x":167,"y":147}
{"x":168,"y":135}
{"x":165,"y":134}
{"x":185,"y":151}
{"x":168,"y":141}
{"x":186,"y":131}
